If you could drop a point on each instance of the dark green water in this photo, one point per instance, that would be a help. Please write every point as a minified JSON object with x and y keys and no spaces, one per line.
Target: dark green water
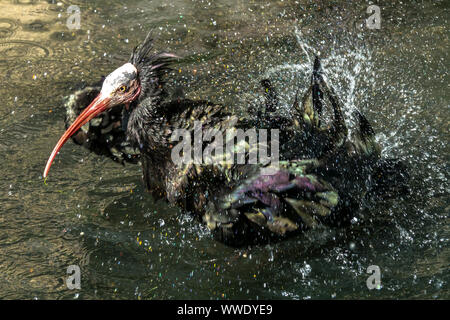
{"x":95,"y":213}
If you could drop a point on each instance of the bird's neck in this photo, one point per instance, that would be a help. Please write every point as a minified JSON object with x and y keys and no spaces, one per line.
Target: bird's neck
{"x":147,"y":125}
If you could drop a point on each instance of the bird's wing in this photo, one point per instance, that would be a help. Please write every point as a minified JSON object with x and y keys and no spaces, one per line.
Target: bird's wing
{"x":275,"y":202}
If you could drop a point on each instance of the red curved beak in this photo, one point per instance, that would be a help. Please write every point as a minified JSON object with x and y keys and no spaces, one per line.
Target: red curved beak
{"x":97,"y":106}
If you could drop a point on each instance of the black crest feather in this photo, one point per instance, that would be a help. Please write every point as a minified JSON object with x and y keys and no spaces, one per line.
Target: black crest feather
{"x":151,"y":67}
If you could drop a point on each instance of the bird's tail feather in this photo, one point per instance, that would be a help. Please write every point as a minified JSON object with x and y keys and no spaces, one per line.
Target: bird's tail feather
{"x":310,"y":113}
{"x":365,"y":137}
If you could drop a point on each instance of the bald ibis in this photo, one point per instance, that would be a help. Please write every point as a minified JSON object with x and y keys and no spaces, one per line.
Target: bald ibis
{"x":321,"y":178}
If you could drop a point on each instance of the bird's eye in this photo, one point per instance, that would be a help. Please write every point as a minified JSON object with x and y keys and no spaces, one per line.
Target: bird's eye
{"x":123,"y":88}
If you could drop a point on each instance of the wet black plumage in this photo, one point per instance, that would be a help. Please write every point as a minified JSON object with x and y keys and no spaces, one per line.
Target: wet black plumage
{"x":322,"y":177}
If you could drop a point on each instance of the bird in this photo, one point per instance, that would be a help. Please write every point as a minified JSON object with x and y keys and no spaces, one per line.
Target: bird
{"x":321,"y":176}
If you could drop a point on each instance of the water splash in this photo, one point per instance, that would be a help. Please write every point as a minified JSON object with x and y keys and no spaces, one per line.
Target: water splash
{"x":350,"y":72}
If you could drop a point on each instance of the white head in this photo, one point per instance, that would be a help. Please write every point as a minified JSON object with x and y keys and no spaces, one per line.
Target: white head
{"x":119,"y":78}
{"x":122,"y":86}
